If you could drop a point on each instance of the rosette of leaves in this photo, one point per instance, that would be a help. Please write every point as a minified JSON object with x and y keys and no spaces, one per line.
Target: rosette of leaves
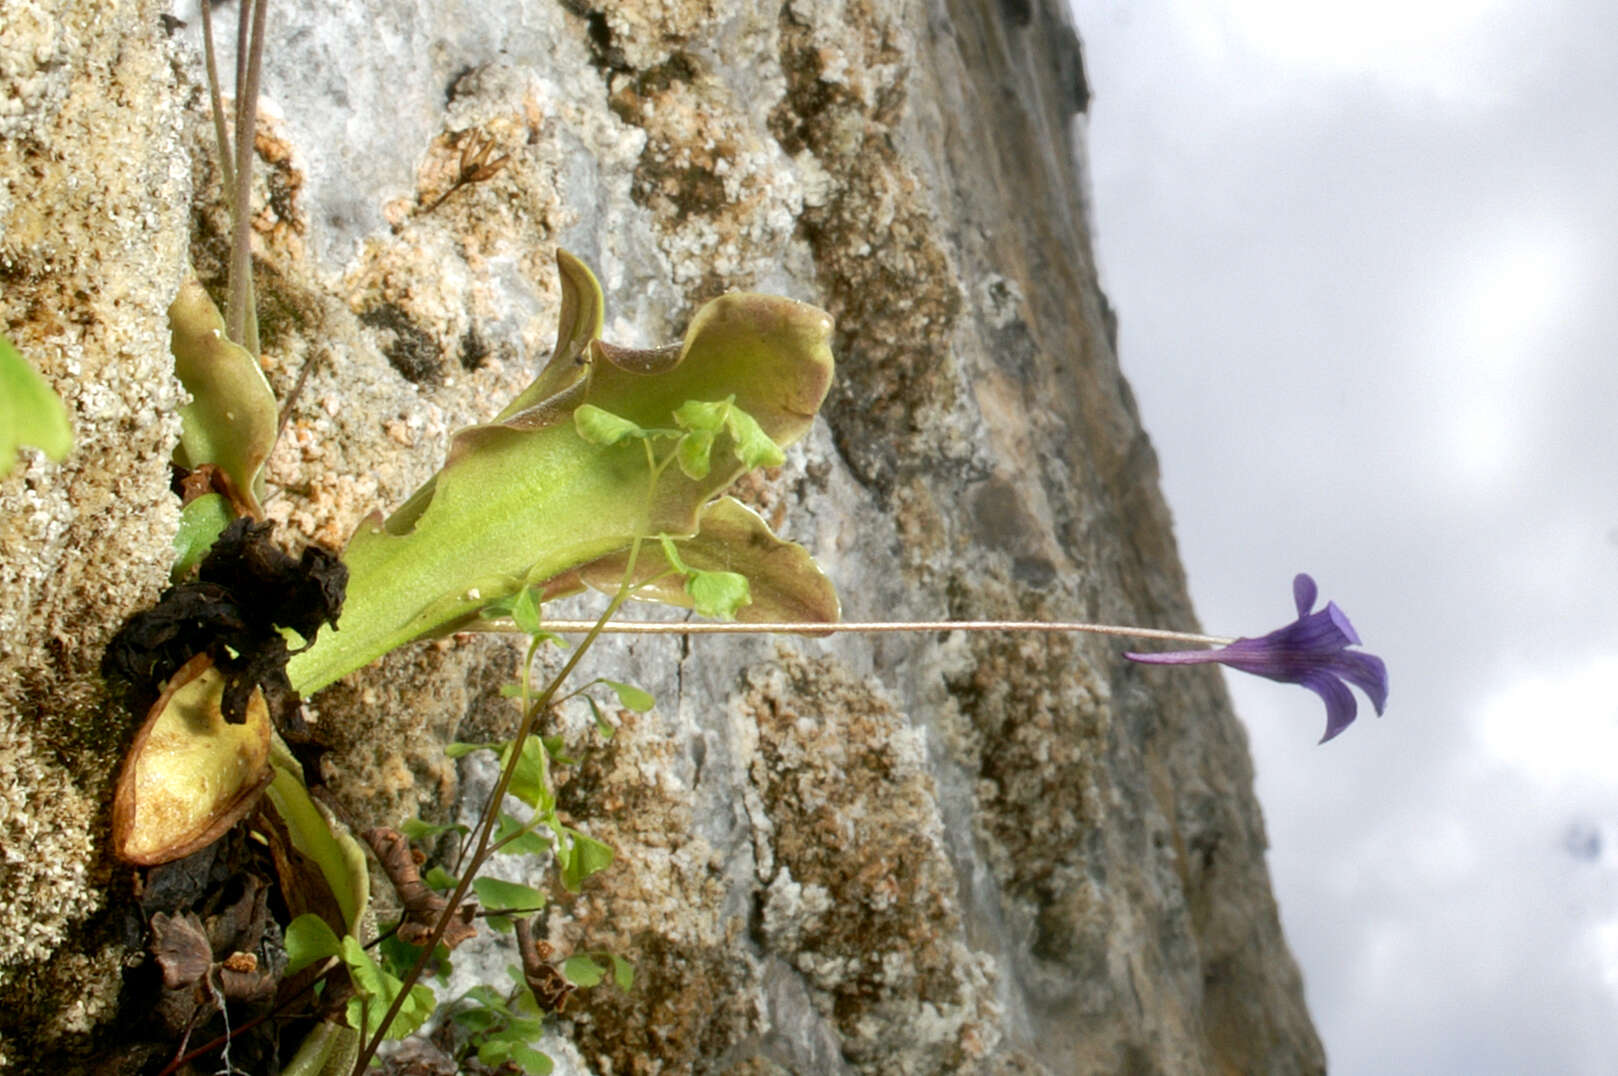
{"x":530,"y":498}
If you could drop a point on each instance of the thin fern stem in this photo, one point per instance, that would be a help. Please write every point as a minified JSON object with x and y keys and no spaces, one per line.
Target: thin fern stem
{"x":491,"y":809}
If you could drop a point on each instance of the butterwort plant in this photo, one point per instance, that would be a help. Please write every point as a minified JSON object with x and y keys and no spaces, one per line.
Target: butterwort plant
{"x":1312,"y":651}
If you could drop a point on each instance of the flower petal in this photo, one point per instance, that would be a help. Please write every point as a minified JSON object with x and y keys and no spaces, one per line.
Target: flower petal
{"x":1304,"y":592}
{"x":1340,"y":705}
{"x":1317,"y":633}
{"x":1340,"y":618}
{"x":1367,"y":672}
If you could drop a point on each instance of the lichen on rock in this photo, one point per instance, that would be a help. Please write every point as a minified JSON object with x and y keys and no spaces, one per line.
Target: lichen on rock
{"x":860,"y":895}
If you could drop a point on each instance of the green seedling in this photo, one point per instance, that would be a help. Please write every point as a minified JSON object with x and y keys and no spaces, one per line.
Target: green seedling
{"x":30,"y":411}
{"x":582,"y":969}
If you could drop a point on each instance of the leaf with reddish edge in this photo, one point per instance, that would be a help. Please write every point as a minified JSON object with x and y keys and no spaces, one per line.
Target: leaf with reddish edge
{"x":525,"y":498}
{"x":190,"y":774}
{"x":232,"y":419}
{"x":786,"y":584}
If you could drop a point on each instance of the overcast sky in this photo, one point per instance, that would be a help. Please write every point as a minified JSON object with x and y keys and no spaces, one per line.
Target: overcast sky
{"x":1365,"y":261}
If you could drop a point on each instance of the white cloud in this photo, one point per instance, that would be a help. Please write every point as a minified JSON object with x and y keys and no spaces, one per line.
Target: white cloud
{"x":1431,"y":46}
{"x":1530,"y":724}
{"x":1494,"y":307}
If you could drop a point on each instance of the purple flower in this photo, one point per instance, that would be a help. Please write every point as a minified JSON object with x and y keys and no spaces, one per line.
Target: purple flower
{"x":1312,"y":651}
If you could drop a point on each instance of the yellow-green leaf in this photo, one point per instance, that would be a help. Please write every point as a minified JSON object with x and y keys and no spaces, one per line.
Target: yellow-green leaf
{"x":318,"y":838}
{"x":190,"y":775}
{"x":231,"y":420}
{"x":784,"y":582}
{"x":30,"y":411}
{"x":201,"y":522}
{"x":525,"y":498}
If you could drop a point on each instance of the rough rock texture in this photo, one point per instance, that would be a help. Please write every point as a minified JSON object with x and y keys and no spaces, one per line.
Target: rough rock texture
{"x":904,"y":855}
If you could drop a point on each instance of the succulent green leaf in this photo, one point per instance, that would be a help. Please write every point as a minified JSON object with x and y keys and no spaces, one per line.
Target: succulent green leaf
{"x":190,"y":774}
{"x":330,"y":1049}
{"x":623,"y":972}
{"x":499,"y":895}
{"x":231,"y":420}
{"x":30,"y":411}
{"x":526,"y":499}
{"x":785,"y":583}
{"x":578,"y":323}
{"x":327,"y":843}
{"x":201,"y":521}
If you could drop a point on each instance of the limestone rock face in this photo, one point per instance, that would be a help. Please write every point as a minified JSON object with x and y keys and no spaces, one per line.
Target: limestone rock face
{"x":910,"y":854}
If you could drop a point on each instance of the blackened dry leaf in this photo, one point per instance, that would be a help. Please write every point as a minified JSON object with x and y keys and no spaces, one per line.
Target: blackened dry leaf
{"x":422,"y":906}
{"x":417,"y":1056}
{"x":239,"y":926}
{"x":184,"y":882}
{"x":245,"y":983}
{"x":246,"y":589}
{"x":154,"y":643}
{"x":274,"y":588}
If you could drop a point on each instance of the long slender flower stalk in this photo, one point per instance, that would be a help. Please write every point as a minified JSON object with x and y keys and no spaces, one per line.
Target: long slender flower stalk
{"x":871,"y":627}
{"x":1313,"y":651}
